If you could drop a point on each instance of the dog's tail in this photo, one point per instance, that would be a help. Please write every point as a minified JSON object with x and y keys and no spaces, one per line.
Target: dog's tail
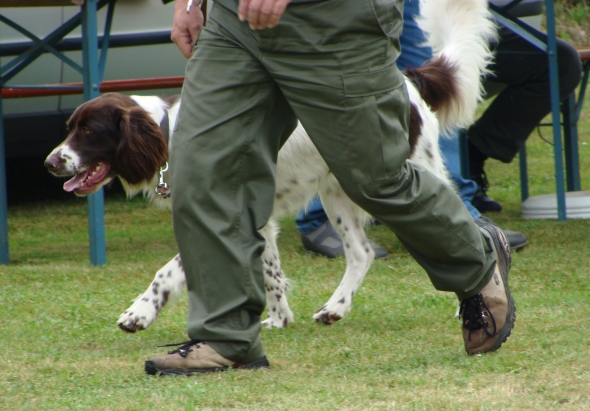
{"x":459,"y":33}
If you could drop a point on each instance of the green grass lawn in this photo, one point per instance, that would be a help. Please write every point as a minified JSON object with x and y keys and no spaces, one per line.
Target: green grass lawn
{"x":399,"y":349}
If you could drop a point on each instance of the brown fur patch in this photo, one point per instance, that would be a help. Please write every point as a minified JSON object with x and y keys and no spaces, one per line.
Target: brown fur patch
{"x":415,"y":127}
{"x":435,"y":81}
{"x":172,"y":99}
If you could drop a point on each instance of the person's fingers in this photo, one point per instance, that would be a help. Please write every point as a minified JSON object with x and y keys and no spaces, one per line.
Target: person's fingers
{"x":252,"y":13}
{"x":278,"y":9}
{"x":184,"y":43}
{"x":243,"y":9}
{"x":262,"y":14}
{"x":186,"y":28}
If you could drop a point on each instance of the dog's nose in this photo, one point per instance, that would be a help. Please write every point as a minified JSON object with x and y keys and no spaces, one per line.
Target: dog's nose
{"x":53,"y":162}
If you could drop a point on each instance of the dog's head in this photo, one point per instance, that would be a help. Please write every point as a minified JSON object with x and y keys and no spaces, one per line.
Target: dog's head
{"x":108,"y":136}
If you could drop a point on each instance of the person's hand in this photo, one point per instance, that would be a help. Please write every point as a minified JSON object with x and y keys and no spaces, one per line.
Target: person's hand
{"x":186,"y":26}
{"x":262,"y":14}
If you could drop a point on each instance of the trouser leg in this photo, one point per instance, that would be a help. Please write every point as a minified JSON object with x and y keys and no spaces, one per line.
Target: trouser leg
{"x":509,"y":120}
{"x":352,"y":101}
{"x":232,"y":122}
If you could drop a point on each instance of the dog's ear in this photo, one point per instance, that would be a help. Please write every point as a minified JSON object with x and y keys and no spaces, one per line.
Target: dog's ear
{"x":143,"y":148}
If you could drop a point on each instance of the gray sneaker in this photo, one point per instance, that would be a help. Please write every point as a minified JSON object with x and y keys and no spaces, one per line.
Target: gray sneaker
{"x":196,"y":357}
{"x":488,"y":317}
{"x":326,"y":241}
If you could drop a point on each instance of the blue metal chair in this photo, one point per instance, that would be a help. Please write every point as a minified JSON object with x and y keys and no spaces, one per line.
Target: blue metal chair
{"x":509,"y":15}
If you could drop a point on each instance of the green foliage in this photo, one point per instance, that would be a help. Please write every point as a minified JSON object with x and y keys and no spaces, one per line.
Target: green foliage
{"x":580,"y":13}
{"x":573,"y":21}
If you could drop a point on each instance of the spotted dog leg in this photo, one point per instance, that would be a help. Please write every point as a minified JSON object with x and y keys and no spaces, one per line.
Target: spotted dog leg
{"x":167,"y":284}
{"x":275,"y":282}
{"x":348,"y":220}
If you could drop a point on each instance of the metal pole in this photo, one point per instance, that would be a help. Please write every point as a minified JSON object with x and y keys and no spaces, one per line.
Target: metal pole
{"x":4,"y":253}
{"x":570,"y":138}
{"x":91,"y":90}
{"x":524,"y":174}
{"x":555,"y":109}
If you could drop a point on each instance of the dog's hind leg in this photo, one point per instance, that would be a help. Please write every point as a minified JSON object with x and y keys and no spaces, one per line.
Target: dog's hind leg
{"x":275,"y":282}
{"x":167,"y":284}
{"x":349,"y":220}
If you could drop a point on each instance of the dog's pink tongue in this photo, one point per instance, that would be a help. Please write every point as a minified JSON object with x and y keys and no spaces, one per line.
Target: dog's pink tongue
{"x":75,"y":182}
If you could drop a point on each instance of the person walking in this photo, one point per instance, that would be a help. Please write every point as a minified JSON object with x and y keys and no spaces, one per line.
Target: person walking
{"x":255,"y":69}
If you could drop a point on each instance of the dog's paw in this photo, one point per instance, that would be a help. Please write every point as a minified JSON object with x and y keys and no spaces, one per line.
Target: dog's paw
{"x":278,"y":319}
{"x":139,"y":316}
{"x":332,"y":311}
{"x":270,"y":323}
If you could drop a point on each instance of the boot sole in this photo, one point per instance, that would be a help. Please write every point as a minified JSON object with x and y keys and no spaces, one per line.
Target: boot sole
{"x":152,"y":369}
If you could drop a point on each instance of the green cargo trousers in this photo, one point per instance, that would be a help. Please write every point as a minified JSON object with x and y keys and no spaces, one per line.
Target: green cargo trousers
{"x":330,"y":64}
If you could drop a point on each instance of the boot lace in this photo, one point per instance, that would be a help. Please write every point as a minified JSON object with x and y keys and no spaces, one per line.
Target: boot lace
{"x":185,"y":347}
{"x":475,"y":314}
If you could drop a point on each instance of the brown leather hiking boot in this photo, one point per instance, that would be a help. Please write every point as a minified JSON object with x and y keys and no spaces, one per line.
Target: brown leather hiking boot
{"x":488,"y":317}
{"x":196,"y":357}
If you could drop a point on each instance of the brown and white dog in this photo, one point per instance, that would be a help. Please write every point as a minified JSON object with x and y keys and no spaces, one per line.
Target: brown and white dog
{"x":120,"y":136}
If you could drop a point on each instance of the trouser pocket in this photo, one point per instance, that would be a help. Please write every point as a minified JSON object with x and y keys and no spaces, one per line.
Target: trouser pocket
{"x":376,"y":106}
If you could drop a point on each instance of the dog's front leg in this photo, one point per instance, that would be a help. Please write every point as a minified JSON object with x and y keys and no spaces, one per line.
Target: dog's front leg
{"x":275,"y":282}
{"x":348,"y":219}
{"x":167,"y":284}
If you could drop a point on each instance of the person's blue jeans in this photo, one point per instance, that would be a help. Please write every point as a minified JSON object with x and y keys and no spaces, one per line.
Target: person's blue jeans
{"x":311,"y":219}
{"x":466,"y":189}
{"x":413,"y":55}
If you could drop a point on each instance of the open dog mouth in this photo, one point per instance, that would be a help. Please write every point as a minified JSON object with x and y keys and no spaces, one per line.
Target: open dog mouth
{"x":90,"y":180}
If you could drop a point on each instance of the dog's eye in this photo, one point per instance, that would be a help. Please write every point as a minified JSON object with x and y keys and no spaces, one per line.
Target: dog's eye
{"x":86,"y":130}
